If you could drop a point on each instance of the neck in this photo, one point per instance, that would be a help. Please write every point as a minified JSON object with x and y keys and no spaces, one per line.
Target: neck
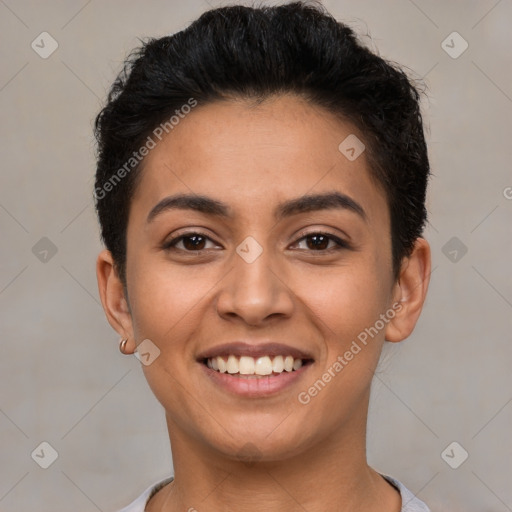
{"x":331,"y":475}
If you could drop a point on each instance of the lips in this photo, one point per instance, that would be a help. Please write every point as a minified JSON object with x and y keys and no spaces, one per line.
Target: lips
{"x":254,"y":350}
{"x":254,"y":369}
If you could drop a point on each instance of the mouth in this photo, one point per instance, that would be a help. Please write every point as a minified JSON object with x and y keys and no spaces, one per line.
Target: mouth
{"x":252,"y":367}
{"x":254,"y":370}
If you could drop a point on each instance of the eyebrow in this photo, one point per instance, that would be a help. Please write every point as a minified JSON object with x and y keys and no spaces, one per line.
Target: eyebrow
{"x":303,"y":204}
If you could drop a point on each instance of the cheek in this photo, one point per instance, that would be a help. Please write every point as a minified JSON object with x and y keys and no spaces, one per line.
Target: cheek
{"x":347,"y":303}
{"x":163,"y":298}
{"x":346,"y":306}
{"x":346,"y":299}
{"x":166,"y":309}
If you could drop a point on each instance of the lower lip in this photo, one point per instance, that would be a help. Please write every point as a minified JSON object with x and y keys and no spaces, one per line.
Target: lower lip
{"x":253,"y":387}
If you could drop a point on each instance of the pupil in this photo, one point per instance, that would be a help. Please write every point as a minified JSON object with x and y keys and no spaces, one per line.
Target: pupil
{"x":316,"y":237}
{"x":193,"y":245}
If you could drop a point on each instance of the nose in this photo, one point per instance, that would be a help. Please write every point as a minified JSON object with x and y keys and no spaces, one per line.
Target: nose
{"x":255,"y":291}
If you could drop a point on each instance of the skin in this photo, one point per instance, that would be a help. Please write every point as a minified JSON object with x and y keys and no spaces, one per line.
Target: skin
{"x":252,"y":158}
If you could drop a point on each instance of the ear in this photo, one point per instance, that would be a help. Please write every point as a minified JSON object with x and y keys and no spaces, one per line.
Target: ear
{"x":410,"y":291}
{"x":113,"y":298}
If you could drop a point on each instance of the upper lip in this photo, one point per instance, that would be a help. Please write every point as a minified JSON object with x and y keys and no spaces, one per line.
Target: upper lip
{"x":241,"y":348}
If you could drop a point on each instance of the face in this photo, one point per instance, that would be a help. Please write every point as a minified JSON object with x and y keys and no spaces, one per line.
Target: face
{"x":255,"y":273}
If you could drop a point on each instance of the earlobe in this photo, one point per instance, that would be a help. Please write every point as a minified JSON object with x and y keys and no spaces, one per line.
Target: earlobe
{"x":410,"y":292}
{"x":113,"y":299}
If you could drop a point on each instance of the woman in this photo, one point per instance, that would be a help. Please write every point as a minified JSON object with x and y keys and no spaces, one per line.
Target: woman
{"x":260,"y":186}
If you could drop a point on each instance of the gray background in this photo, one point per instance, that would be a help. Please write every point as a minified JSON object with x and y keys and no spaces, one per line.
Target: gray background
{"x":63,"y":378}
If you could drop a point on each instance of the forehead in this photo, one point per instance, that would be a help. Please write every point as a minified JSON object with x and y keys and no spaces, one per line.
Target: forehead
{"x":253,"y":156}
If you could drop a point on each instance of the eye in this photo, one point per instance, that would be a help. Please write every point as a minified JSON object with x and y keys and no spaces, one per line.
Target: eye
{"x":195,"y":241}
{"x":319,"y":242}
{"x":192,"y":241}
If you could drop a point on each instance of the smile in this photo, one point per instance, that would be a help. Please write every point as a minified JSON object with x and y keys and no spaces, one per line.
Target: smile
{"x":247,"y":366}
{"x":255,"y":368}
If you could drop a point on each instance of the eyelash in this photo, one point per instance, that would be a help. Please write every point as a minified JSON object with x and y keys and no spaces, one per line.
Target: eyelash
{"x":341,"y":244}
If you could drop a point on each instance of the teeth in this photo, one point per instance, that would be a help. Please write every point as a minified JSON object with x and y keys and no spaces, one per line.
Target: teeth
{"x":278,"y":364}
{"x":246,"y":365}
{"x":288,"y":363}
{"x":221,"y":364}
{"x":232,"y":364}
{"x":263,"y":366}
{"x":297,"y":363}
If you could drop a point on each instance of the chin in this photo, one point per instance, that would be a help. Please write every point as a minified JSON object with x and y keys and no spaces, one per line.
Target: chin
{"x":260,"y":445}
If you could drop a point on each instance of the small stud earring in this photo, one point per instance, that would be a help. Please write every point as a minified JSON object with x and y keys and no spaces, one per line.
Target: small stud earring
{"x":122,"y":346}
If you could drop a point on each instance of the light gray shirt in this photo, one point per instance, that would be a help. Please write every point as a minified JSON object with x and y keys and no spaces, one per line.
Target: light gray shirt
{"x":409,"y":502}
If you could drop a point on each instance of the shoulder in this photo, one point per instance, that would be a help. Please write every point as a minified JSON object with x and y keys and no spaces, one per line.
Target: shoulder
{"x":409,"y":501}
{"x":139,"y":504}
